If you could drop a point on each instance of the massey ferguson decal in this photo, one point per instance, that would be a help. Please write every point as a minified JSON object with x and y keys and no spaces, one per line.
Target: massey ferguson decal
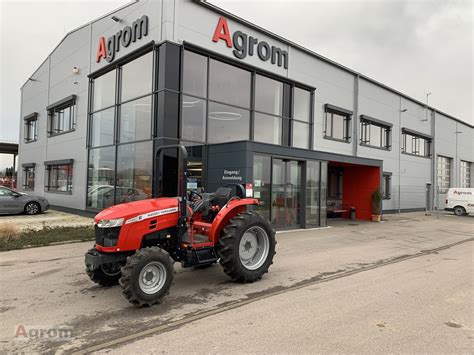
{"x":247,"y":45}
{"x":130,"y":34}
{"x":151,"y":215}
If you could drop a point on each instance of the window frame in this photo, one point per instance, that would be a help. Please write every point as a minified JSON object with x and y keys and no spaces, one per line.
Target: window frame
{"x":386,"y":178}
{"x":28,"y":120}
{"x":286,"y":132}
{"x":50,"y":167}
{"x":25,"y":168}
{"x":335,"y":110}
{"x":415,"y":141}
{"x":155,"y":90}
{"x":365,"y":132}
{"x":56,"y":110}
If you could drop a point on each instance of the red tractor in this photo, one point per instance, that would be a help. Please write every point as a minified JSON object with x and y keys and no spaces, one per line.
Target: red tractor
{"x":138,"y":242}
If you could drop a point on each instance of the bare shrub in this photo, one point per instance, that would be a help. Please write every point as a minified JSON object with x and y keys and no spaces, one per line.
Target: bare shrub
{"x":9,"y":231}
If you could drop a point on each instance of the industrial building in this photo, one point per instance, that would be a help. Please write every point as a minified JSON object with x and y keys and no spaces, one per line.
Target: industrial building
{"x":308,"y":136}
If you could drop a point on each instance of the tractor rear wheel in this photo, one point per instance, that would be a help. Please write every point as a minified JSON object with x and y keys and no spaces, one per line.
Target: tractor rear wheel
{"x":247,"y":247}
{"x":104,"y":275}
{"x":147,"y":276}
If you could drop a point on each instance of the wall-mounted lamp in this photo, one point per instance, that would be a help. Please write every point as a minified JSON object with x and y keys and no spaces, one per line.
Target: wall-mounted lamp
{"x":116,"y":19}
{"x":75,"y":70}
{"x":404,"y":110}
{"x":457,"y":132}
{"x":31,"y":79}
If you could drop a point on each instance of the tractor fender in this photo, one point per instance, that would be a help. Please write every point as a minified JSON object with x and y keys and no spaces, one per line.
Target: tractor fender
{"x":229,"y":211}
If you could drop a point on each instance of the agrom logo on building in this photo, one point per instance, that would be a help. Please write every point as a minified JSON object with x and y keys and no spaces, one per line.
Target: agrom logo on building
{"x":130,"y":34}
{"x":247,"y":45}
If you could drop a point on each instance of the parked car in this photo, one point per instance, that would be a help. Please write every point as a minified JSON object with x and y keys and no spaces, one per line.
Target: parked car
{"x":18,"y":202}
{"x":460,"y":201}
{"x":103,"y":196}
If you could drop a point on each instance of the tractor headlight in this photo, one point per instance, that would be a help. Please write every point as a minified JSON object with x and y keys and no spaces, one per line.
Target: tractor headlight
{"x":110,"y":223}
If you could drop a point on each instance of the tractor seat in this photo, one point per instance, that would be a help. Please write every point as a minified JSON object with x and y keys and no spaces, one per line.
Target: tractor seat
{"x":221,"y":196}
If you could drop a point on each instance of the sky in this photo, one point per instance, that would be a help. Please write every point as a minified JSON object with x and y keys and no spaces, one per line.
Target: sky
{"x":414,"y":46}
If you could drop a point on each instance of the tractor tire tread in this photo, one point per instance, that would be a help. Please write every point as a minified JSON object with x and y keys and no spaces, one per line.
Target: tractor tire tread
{"x":126,"y":281}
{"x":230,"y":240}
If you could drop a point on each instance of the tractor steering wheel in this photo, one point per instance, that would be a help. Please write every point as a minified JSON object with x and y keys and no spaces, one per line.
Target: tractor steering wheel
{"x":194,"y":196}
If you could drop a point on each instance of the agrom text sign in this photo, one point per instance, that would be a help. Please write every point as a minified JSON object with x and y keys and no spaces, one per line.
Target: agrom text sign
{"x":123,"y":38}
{"x":247,"y":45}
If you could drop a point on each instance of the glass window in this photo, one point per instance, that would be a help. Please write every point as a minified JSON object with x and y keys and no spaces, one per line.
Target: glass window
{"x":195,"y":74}
{"x":301,"y":135}
{"x":102,"y":128}
{"x":444,"y":173}
{"x":386,"y":186}
{"x":312,"y":193}
{"x":302,"y":105}
{"x":267,"y":128}
{"x":375,"y":135}
{"x":337,"y":126}
{"x":31,"y":130}
{"x":416,"y":145}
{"x":134,"y":172}
{"x":59,"y":178}
{"x":104,"y":91}
{"x":29,"y":178}
{"x":262,"y":166}
{"x":62,"y":119}
{"x":268,"y":95}
{"x":193,"y":119}
{"x":135,"y":120}
{"x":101,"y":177}
{"x":137,"y":77}
{"x":227,"y":123}
{"x":195,"y":166}
{"x":229,"y":84}
{"x":465,"y":173}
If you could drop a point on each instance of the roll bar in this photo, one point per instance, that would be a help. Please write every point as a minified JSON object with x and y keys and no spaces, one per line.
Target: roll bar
{"x":182,"y":175}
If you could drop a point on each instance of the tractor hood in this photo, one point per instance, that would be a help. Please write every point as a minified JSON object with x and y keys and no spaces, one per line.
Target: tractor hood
{"x":139,"y":209}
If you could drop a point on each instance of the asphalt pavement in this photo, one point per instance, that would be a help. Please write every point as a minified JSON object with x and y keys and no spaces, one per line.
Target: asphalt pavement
{"x":405,"y":285}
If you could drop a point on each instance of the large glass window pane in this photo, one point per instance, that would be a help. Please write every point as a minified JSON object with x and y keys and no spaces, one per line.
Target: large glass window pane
{"x":104,"y":91}
{"x":229,"y":84}
{"x":312,"y":193}
{"x":267,"y":128}
{"x":195,"y":74}
{"x":135,"y":120}
{"x":323,"y":206}
{"x":134,"y":172}
{"x":268,"y":95}
{"x":300,"y":135}
{"x":302,"y":99}
{"x":137,"y":77}
{"x":102,"y":128}
{"x":59,"y":178}
{"x":101,"y":177}
{"x":227,"y":123}
{"x":193,"y":119}
{"x":262,"y":166}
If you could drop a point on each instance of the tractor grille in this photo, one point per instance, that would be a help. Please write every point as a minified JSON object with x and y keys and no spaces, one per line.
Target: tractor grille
{"x":107,"y":237}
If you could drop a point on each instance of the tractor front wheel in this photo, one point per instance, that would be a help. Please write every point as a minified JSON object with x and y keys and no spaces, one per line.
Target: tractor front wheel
{"x":147,"y":276}
{"x":247,"y":247}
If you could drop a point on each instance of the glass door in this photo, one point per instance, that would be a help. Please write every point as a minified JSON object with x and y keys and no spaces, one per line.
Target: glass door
{"x":286,"y":193}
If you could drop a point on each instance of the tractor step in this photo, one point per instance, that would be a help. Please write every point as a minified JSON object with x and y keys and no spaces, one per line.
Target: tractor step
{"x":202,"y":256}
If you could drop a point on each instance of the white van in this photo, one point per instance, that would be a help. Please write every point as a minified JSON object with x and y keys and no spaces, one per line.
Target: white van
{"x":460,"y":201}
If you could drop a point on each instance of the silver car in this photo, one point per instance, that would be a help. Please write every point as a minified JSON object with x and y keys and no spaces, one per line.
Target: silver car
{"x":19,"y":202}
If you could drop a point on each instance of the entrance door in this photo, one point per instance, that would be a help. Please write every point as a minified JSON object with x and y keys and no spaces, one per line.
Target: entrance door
{"x":286,"y":193}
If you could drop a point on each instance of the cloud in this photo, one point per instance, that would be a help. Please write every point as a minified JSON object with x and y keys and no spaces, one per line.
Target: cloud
{"x":413,"y":46}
